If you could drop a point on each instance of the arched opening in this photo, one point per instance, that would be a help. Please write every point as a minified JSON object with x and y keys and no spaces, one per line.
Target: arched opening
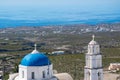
{"x":33,"y":75}
{"x":99,"y":76}
{"x":48,"y":70}
{"x":22,"y":74}
{"x":93,"y":49}
{"x":88,"y":76}
{"x":43,"y":74}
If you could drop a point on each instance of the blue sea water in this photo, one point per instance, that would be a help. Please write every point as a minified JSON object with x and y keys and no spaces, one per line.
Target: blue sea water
{"x":13,"y":16}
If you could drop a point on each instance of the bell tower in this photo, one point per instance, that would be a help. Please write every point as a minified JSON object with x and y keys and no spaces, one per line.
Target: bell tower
{"x":93,"y":68}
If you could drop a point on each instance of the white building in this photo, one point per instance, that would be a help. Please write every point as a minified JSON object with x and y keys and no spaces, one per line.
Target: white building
{"x":114,"y":66}
{"x":58,"y":52}
{"x":93,"y":69}
{"x":36,"y":66}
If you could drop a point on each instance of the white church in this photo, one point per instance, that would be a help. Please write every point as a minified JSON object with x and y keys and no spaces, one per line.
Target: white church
{"x":93,"y":69}
{"x":37,"y":66}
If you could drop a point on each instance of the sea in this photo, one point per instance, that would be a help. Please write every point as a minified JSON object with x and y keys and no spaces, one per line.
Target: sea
{"x":65,"y":17}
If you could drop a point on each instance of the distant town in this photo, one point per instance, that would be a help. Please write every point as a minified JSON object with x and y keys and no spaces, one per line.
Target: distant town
{"x":64,"y":29}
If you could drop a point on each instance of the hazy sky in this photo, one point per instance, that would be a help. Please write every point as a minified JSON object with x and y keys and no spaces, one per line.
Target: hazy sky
{"x":13,"y":4}
{"x":60,"y":5}
{"x":50,"y":8}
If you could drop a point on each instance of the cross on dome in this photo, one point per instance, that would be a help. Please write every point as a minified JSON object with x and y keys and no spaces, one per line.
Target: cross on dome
{"x":93,"y":36}
{"x":35,"y":45}
{"x":93,"y":41}
{"x":35,"y":49}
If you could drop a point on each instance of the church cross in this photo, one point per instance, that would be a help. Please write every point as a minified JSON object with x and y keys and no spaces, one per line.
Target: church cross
{"x":93,"y":37}
{"x":35,"y":46}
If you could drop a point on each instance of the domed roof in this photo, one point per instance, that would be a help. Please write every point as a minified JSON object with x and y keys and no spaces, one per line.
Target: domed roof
{"x":93,"y":42}
{"x":35,"y":59}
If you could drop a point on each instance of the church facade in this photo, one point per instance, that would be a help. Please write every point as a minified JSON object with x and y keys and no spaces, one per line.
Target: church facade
{"x":34,"y":66}
{"x":93,"y":68}
{"x":37,"y":66}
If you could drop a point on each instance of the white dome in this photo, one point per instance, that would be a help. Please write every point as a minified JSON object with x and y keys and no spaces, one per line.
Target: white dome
{"x":93,"y":42}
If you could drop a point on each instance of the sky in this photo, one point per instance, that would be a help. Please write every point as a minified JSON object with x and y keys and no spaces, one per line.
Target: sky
{"x":44,"y":6}
{"x":59,"y":9}
{"x":57,"y":2}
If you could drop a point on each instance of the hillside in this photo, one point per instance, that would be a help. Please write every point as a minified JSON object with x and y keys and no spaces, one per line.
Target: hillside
{"x":16,"y":42}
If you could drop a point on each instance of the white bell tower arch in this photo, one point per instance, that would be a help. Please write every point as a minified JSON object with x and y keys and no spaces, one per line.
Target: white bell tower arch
{"x":93,"y":68}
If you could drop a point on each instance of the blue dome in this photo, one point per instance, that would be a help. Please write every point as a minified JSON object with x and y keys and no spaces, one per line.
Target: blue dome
{"x":35,"y":59}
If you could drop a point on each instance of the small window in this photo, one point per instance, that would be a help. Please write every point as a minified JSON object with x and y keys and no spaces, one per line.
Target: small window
{"x":22,"y":74}
{"x":43,"y":74}
{"x":33,"y":75}
{"x":93,"y":49}
{"x":48,"y":70}
{"x":99,"y":76}
{"x":88,"y":76}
